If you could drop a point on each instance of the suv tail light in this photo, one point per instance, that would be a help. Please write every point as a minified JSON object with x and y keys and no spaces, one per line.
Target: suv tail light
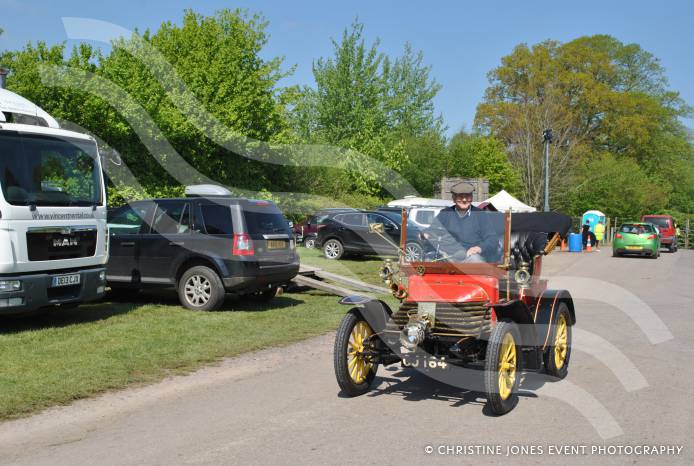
{"x":651,"y":236}
{"x":618,"y":235}
{"x":243,"y":245}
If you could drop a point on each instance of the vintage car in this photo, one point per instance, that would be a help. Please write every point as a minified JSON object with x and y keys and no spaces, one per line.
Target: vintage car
{"x":477,"y":325}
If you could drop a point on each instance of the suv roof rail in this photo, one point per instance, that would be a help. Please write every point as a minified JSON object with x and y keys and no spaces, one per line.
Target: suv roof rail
{"x":207,"y":190}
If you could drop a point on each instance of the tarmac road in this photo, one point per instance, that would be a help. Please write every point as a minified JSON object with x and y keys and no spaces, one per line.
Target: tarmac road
{"x":630,"y":383}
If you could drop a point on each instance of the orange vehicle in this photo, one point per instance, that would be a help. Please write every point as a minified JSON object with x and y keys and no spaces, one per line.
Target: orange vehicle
{"x":472,"y":325}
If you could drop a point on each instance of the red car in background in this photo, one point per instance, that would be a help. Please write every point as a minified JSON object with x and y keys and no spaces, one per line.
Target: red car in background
{"x":666,"y":226}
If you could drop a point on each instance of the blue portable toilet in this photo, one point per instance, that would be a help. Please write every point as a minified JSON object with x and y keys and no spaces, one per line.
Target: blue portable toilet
{"x":594,"y":216}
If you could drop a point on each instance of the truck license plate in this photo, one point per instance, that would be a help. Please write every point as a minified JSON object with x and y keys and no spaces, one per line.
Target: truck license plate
{"x":65,"y":280}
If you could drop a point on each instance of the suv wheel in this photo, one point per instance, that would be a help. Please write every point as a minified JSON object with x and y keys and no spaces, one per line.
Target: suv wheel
{"x":332,"y":249}
{"x":201,"y":289}
{"x":310,"y":242}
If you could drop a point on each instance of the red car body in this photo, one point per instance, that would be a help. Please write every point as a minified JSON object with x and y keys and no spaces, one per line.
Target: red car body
{"x":666,"y":226}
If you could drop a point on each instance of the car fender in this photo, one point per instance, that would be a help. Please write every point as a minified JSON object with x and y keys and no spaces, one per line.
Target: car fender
{"x":376,"y":312}
{"x":218,"y":264}
{"x":545,"y":310}
{"x":518,"y":312}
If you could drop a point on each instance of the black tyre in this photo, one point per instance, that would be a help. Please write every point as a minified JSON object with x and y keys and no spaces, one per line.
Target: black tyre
{"x":201,"y":289}
{"x":558,"y":352}
{"x":354,"y":373}
{"x":413,"y":252}
{"x":502,"y":368}
{"x":263,"y":296}
{"x":333,"y":249}
{"x":615,"y":253}
{"x":671,"y":248}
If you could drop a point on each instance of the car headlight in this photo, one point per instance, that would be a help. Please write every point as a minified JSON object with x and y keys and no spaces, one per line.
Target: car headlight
{"x":10,"y":285}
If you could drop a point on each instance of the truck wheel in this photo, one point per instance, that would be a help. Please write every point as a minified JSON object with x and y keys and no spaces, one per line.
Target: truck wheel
{"x":557,"y":355}
{"x":201,"y":289}
{"x":502,"y":367}
{"x":354,"y":372}
{"x":332,"y":249}
{"x":263,"y":296}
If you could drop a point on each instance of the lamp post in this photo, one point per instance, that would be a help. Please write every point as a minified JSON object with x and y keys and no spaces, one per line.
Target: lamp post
{"x":547,"y":136}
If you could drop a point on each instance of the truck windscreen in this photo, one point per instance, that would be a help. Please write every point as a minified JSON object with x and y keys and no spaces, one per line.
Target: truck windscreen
{"x":49,"y":171}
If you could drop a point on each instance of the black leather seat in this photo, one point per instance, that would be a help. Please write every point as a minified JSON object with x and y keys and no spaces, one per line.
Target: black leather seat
{"x":525,"y":246}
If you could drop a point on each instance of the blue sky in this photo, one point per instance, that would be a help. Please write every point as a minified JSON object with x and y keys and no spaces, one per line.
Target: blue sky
{"x":461,"y":40}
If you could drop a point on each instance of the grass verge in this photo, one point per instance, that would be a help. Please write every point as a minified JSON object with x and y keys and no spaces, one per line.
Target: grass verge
{"x":72,"y":354}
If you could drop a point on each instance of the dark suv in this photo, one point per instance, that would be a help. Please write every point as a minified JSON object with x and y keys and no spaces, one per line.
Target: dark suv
{"x":350,"y":233}
{"x":307,"y":231}
{"x":203,"y":247}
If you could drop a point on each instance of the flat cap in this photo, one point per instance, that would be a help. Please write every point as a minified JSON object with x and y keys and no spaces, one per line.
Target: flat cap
{"x":462,"y":188}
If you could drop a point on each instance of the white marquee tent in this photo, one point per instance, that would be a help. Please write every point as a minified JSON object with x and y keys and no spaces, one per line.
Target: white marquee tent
{"x":503,"y":201}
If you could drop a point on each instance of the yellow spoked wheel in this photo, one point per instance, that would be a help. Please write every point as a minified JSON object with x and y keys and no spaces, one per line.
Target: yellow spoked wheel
{"x":561,"y":340}
{"x":358,"y":366}
{"x":355,"y":371}
{"x":507,"y":366}
{"x":502,"y":367}
{"x":558,"y":351}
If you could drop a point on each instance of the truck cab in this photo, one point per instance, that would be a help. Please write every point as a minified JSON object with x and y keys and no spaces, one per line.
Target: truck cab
{"x":53,"y":241}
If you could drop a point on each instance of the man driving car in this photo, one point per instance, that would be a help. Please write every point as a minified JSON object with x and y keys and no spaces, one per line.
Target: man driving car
{"x":462,"y":233}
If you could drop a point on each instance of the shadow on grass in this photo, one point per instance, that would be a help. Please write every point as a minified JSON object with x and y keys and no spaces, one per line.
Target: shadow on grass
{"x":63,"y":317}
{"x":232,"y":302}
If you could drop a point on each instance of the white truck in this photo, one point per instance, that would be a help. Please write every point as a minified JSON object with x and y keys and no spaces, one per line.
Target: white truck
{"x":53,"y":233}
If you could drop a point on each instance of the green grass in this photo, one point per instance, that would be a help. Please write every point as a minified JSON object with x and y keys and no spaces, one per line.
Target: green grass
{"x":72,"y":354}
{"x":362,"y":268}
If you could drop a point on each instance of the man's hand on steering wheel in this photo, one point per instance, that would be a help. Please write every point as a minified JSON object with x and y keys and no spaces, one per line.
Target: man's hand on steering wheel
{"x":474,"y":250}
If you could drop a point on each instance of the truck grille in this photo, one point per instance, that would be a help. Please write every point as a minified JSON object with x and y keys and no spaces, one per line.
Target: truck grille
{"x":464,"y":319}
{"x":55,"y":244}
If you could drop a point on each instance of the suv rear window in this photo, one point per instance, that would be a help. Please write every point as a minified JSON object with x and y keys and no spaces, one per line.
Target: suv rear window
{"x":264,"y":222}
{"x":217,"y":219}
{"x":660,"y":221}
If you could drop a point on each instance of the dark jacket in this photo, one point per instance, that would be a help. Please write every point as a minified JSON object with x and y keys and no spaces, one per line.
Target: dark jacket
{"x":462,"y":233}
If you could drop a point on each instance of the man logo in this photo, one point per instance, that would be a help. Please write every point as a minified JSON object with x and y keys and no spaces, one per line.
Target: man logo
{"x":65,"y":242}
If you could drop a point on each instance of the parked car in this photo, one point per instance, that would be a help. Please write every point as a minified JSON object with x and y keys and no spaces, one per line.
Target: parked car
{"x":202,"y":246}
{"x":666,"y":226}
{"x":637,"y":238}
{"x":350,"y":233}
{"x":420,"y":216}
{"x":305,"y":232}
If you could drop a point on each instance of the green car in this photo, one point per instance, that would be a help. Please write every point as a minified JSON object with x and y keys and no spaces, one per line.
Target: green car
{"x":637,"y":238}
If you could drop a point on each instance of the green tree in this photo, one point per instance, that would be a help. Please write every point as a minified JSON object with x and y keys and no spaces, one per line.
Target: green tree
{"x":597,"y":94}
{"x":615,"y":185}
{"x":367,"y":102}
{"x":477,"y":156}
{"x":218,"y":58}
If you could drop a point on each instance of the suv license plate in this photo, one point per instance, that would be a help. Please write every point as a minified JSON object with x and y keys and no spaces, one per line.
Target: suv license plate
{"x":276,"y":244}
{"x":65,"y":280}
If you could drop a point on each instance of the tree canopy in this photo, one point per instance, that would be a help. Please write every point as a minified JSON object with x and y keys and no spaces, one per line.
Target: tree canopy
{"x":197,"y":87}
{"x":606,"y":101}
